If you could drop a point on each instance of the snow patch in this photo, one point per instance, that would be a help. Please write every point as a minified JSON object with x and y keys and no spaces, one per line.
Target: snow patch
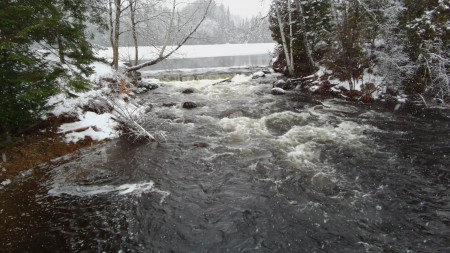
{"x":98,"y":127}
{"x":314,"y":88}
{"x":101,"y":70}
{"x":5,"y":183}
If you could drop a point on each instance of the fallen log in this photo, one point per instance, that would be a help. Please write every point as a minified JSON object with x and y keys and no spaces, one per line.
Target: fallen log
{"x":223,"y":81}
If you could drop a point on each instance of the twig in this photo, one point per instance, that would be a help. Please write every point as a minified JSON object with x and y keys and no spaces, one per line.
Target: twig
{"x":423,"y":99}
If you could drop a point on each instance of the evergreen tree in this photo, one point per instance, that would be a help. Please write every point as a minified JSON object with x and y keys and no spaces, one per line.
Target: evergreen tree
{"x":406,"y":41}
{"x":30,"y":33}
{"x":346,"y":57}
{"x":427,"y":43}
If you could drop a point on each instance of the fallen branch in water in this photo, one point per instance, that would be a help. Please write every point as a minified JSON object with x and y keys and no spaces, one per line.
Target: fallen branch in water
{"x":134,"y":118}
{"x":223,"y":81}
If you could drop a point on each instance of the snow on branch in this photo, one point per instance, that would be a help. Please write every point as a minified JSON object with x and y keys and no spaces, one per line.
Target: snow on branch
{"x":135,"y":118}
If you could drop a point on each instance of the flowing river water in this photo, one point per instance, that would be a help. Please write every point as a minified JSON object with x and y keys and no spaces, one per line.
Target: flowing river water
{"x":246,"y":171}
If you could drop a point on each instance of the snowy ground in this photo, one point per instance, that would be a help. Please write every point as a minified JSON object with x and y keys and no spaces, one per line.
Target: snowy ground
{"x":376,"y":82}
{"x":97,"y":126}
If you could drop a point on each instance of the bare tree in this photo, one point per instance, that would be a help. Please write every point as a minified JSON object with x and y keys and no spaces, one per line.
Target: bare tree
{"x":141,"y":14}
{"x":133,"y":6}
{"x":115,"y":10}
{"x":173,"y":34}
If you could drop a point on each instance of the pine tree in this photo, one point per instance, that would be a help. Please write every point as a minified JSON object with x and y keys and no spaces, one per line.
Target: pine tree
{"x":30,"y":31}
{"x":428,"y":45}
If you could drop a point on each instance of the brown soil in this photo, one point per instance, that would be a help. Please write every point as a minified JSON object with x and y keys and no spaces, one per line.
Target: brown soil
{"x":38,"y":145}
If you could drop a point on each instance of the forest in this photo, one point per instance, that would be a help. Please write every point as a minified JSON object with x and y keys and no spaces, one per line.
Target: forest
{"x":405,"y":43}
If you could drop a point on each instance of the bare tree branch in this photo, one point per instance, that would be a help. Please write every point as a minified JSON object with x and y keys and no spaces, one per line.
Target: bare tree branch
{"x":162,"y":56}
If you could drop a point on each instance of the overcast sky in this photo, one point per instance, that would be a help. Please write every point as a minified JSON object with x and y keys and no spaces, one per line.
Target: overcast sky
{"x":246,"y":8}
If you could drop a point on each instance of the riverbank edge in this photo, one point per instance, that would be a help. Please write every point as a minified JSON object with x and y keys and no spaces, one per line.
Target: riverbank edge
{"x":41,"y":146}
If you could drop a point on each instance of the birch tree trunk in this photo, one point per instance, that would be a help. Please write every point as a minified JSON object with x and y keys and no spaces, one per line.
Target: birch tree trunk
{"x":289,"y":60}
{"x":133,"y":6}
{"x":115,"y":32}
{"x":291,"y":35}
{"x":111,"y":30}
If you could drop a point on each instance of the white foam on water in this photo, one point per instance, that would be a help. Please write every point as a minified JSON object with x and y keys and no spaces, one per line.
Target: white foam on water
{"x":241,"y":78}
{"x":241,"y":128}
{"x":285,"y":119}
{"x":303,"y":144}
{"x":60,"y":189}
{"x":373,"y":114}
{"x":304,"y":156}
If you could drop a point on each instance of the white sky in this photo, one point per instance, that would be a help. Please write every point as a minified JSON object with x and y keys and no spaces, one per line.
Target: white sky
{"x":246,"y":8}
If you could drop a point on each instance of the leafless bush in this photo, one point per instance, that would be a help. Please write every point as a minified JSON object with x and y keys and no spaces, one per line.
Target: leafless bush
{"x":136,"y":119}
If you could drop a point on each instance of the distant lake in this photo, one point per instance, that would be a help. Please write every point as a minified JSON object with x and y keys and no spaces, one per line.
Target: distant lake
{"x":212,"y":62}
{"x":201,"y":56}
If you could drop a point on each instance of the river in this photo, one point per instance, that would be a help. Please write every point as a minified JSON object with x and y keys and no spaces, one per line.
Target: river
{"x":246,"y":171}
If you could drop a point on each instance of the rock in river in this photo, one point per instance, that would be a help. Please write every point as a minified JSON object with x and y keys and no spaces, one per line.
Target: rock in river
{"x":188,"y":91}
{"x":189,"y":105}
{"x":258,"y":74}
{"x":278,"y":91}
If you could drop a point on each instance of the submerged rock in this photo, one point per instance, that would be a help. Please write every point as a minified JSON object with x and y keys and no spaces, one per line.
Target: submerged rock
{"x":279,"y":83}
{"x":278,"y":91}
{"x":169,"y":105}
{"x":284,"y":84}
{"x":143,"y":86}
{"x":189,"y":105}
{"x":188,"y":91}
{"x":148,"y":86}
{"x":201,"y":145}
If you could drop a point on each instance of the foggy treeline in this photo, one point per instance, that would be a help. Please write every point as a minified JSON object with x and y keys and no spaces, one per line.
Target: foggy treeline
{"x":220,"y":27}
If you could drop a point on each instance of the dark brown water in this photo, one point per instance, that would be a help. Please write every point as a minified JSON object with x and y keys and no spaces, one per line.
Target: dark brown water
{"x":246,"y":172}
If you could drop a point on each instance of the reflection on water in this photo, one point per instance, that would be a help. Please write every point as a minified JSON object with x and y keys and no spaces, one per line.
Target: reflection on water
{"x":212,"y":62}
